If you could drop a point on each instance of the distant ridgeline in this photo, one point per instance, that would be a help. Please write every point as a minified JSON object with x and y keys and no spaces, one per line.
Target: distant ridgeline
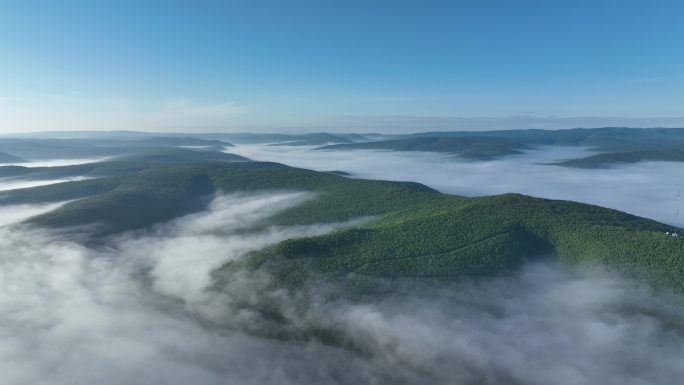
{"x":609,"y":146}
{"x":37,"y":149}
{"x":415,"y":232}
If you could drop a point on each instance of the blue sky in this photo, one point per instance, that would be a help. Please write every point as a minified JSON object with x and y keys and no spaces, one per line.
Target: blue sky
{"x":381,"y":65}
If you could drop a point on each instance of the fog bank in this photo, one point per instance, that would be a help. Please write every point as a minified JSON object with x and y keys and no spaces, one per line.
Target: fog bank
{"x":142,"y":310}
{"x":12,"y":214}
{"x":59,"y":162}
{"x":17,"y":183}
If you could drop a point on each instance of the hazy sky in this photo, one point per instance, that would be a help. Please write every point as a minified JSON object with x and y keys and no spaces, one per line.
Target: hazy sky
{"x":339,"y":65}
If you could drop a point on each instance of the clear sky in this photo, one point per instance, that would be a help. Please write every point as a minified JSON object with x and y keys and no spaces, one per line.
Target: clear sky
{"x":349,"y":65}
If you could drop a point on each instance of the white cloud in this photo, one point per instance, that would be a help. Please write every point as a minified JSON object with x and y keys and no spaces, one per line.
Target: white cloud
{"x":57,"y":162}
{"x":184,"y":252}
{"x":16,"y":213}
{"x":16,"y":183}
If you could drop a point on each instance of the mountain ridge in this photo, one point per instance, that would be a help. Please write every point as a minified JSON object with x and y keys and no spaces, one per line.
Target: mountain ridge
{"x":417,"y":231}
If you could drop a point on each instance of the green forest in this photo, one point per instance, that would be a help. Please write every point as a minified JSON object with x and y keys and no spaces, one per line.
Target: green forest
{"x":411,"y":231}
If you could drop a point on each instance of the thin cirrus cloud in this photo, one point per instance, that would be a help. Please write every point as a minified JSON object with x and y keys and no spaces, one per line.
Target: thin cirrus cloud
{"x":69,"y":112}
{"x":75,"y":113}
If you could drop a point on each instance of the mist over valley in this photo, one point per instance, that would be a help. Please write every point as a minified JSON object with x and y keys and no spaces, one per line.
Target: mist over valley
{"x":209,"y":264}
{"x":357,"y":192}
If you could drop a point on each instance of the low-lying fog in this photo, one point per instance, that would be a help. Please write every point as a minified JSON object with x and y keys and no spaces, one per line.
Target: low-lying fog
{"x":140,"y":310}
{"x":647,"y":189}
{"x":17,"y":183}
{"x":16,"y":213}
{"x":12,"y":183}
{"x":57,"y":162}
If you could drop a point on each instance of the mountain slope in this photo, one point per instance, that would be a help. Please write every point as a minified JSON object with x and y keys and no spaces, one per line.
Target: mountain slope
{"x":484,"y":236}
{"x":415,"y":232}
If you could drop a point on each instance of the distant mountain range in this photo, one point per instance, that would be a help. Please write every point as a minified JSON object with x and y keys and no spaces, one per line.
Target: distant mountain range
{"x":609,"y":145}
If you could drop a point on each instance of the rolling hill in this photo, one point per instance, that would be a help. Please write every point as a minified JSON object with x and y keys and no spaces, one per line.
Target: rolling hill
{"x":415,"y":232}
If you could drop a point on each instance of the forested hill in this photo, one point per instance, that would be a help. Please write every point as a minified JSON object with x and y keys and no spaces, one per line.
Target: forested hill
{"x":416,"y":231}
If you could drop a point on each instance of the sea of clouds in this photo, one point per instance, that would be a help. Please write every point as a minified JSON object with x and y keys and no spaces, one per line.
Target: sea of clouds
{"x":143,"y":308}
